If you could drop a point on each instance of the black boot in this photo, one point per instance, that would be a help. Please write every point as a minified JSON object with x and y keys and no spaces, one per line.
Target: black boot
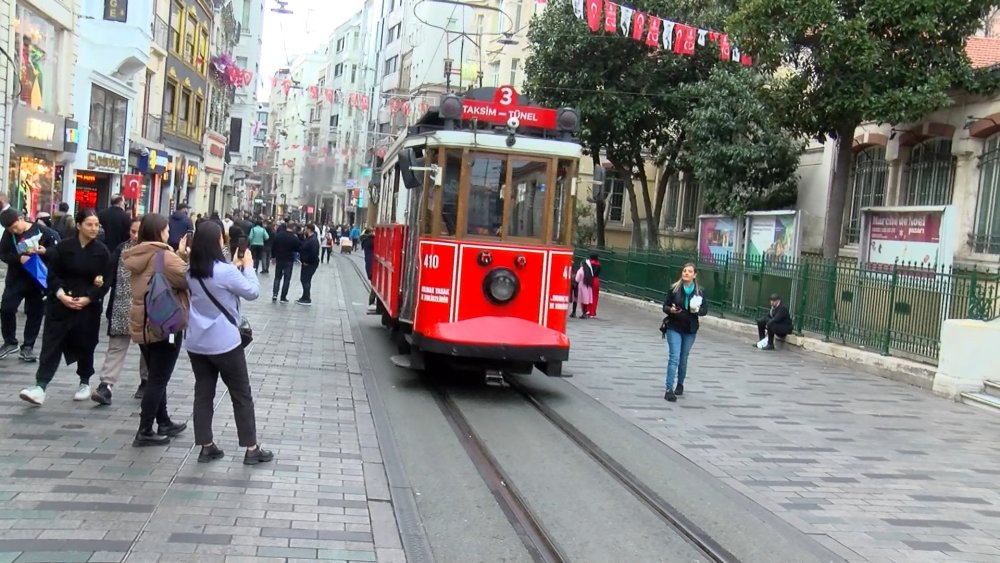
{"x":670,"y":396}
{"x":210,"y":453}
{"x":680,"y":389}
{"x":258,"y":455}
{"x":144,"y":438}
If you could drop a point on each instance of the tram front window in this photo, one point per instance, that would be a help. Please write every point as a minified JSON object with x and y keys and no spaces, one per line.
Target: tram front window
{"x":528,"y":178}
{"x":486,"y":179}
{"x":449,"y":184}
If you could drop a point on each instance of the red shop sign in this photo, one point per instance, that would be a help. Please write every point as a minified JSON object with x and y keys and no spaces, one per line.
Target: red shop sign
{"x":504,"y":106}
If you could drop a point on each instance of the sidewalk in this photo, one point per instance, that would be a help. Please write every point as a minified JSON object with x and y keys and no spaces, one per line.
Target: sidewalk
{"x":73,"y":489}
{"x":876,"y":470}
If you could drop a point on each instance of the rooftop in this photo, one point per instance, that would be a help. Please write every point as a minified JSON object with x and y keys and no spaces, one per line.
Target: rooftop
{"x":984,"y":52}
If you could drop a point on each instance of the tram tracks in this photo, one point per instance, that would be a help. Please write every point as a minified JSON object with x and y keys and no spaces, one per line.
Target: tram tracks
{"x":530,"y":526}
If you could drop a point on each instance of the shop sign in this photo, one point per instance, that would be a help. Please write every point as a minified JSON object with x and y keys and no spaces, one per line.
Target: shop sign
{"x":71,"y":136}
{"x":36,"y":129}
{"x":116,"y":10}
{"x":110,"y":163}
{"x":913,"y":240}
{"x":216,"y":150}
{"x":504,"y":107}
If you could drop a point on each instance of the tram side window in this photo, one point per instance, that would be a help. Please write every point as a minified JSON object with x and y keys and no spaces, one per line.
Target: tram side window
{"x":429,"y":193}
{"x":486,"y":183}
{"x":449,"y":184}
{"x":563,"y":183}
{"x":528,"y":178}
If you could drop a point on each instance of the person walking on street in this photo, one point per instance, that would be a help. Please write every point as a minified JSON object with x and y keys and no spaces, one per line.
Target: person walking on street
{"x":215,"y":346}
{"x":778,"y":322}
{"x":685,"y":302}
{"x":256,"y":239}
{"x":119,"y":336}
{"x":116,"y":223}
{"x":285,"y":247}
{"x":62,"y":222}
{"x":158,"y":282}
{"x":268,"y":242}
{"x":595,"y":267}
{"x":180,"y":225}
{"x":21,"y":241}
{"x":368,"y":246}
{"x":78,"y":268}
{"x":585,"y":288}
{"x":309,"y":256}
{"x":355,"y":237}
{"x":327,"y":245}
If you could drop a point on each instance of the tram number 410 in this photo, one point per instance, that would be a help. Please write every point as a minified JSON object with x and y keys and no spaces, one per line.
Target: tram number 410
{"x":432,"y":261}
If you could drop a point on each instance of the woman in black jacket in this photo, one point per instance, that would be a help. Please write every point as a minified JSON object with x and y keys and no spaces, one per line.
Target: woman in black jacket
{"x":685,"y":302}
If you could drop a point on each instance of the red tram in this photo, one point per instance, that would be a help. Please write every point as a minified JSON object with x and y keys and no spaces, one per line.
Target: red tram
{"x":474,"y":225}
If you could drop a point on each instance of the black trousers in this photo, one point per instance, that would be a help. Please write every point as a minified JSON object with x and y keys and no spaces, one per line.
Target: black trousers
{"x":34,"y":309}
{"x":282,"y":271}
{"x":232,"y":368}
{"x":69,"y":334}
{"x":265,"y":259}
{"x":763,"y":329}
{"x":257,"y":252}
{"x":327,"y":253}
{"x":161,"y":357}
{"x":306,"y":277}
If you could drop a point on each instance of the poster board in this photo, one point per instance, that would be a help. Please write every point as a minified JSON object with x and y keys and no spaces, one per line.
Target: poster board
{"x":773,"y":236}
{"x":719,"y":237}
{"x":918,"y":240}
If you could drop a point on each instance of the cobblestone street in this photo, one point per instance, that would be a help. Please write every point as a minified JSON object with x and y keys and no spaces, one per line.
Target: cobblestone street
{"x":73,"y":489}
{"x":873,"y":469}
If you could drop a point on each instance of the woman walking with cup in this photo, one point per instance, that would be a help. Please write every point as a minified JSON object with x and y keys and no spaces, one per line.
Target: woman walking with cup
{"x":685,"y":302}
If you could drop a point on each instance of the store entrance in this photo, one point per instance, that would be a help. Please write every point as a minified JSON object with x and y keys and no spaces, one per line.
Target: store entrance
{"x":93,"y":190}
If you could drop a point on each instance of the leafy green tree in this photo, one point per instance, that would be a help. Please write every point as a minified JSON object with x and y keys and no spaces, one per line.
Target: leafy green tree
{"x":841,"y":63}
{"x":734,"y":146}
{"x":628,"y":94}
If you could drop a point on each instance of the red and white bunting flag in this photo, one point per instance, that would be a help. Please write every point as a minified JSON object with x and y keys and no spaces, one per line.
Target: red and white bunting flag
{"x":610,"y":17}
{"x":668,"y":35}
{"x":746,"y":60}
{"x":365,"y":103}
{"x":639,"y":25}
{"x":724,"y":47}
{"x":702,"y":36}
{"x":735,"y":54}
{"x":685,"y":37}
{"x":286,"y":85}
{"x":653,"y":32}
{"x":595,"y":9}
{"x":424,"y":107}
{"x":274,"y":81}
{"x":578,"y":8}
{"x":625,"y":21}
{"x":394,"y":107}
{"x":329,"y":95}
{"x":314,"y":92}
{"x":407,"y":109}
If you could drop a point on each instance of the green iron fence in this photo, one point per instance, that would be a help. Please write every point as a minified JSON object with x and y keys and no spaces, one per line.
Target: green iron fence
{"x":898,"y":310}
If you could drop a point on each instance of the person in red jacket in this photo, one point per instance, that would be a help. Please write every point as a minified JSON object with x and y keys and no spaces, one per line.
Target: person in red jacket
{"x":595,"y":266}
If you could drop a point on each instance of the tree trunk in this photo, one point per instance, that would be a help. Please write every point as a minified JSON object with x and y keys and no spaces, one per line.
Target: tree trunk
{"x":669,"y":167}
{"x":837,"y":196}
{"x":600,"y":204}
{"x":633,"y":207}
{"x":652,"y":227}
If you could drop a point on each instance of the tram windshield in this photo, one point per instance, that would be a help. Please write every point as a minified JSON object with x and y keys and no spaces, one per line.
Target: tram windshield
{"x":499,"y":196}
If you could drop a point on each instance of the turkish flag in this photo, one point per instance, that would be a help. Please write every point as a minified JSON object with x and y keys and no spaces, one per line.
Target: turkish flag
{"x":610,"y":17}
{"x":329,"y":95}
{"x":132,"y":185}
{"x":639,"y":25}
{"x":595,"y":8}
{"x":314,"y":92}
{"x":365,"y":102}
{"x":685,"y":37}
{"x":653,"y":34}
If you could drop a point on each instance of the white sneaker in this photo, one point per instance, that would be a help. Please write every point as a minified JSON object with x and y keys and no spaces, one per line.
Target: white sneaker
{"x":34,"y":395}
{"x":83,"y":394}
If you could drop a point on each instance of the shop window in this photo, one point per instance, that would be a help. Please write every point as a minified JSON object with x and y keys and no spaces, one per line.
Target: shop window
{"x":986,"y":232}
{"x":37,"y":45}
{"x":170,"y":105}
{"x":184,"y":113}
{"x":190,"y":29}
{"x":36,"y":184}
{"x":177,"y":26}
{"x":487,"y":176}
{"x":869,"y":177}
{"x":202,"y":62}
{"x":196,"y":117}
{"x":108,"y":113}
{"x":930,"y":173}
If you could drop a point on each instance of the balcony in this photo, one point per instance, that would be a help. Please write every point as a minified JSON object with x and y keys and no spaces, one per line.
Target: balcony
{"x":151,"y":128}
{"x":161,"y":32}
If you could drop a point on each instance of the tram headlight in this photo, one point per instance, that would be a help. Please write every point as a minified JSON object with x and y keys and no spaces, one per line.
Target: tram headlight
{"x":501,"y":285}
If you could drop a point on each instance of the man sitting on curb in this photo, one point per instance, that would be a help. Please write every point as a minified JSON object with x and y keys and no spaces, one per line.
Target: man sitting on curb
{"x":777,"y":323}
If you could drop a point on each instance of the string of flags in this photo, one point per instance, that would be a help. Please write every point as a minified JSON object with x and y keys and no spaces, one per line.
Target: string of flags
{"x":359,"y":100}
{"x":654,"y":31}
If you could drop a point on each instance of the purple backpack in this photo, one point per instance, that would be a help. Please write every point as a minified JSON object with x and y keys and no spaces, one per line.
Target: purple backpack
{"x":163,"y":310}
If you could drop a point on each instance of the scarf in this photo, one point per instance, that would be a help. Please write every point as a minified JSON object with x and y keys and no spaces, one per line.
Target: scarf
{"x":688,"y":292}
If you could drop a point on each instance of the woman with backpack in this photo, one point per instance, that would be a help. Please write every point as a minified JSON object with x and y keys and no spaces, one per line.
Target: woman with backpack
{"x":78,"y":267}
{"x":157,"y":319}
{"x":215,"y":343}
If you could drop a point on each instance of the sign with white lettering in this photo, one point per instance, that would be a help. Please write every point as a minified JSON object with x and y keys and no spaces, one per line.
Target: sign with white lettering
{"x":504,"y":106}
{"x":116,"y":10}
{"x":110,"y":163}
{"x":37,"y":129}
{"x":911,"y":239}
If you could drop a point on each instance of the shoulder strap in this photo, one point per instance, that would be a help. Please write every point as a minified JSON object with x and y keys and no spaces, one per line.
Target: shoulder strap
{"x":159,"y":261}
{"x":218,"y":305}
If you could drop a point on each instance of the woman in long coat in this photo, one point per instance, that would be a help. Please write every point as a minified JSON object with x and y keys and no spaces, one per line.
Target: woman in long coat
{"x":585,"y":289}
{"x":76,"y":280}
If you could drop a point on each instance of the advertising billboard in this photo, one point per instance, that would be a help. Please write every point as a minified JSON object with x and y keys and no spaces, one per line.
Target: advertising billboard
{"x":773,"y":236}
{"x":718,"y":236}
{"x":917,"y":238}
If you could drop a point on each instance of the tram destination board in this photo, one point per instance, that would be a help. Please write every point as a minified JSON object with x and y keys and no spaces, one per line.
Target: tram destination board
{"x":504,"y":106}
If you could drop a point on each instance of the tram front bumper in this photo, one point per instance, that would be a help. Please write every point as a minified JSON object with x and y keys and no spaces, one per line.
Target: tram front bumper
{"x":501,"y":338}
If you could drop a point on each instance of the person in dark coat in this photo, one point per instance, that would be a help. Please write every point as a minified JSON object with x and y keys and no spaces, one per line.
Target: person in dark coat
{"x":309,"y":256}
{"x":778,"y":322}
{"x":116,"y":222}
{"x":21,"y":240}
{"x":368,"y":246}
{"x":80,"y":271}
{"x":180,"y":225}
{"x":284,"y":249}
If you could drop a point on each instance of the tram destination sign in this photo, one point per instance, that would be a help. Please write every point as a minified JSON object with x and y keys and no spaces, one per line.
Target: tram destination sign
{"x":504,"y":106}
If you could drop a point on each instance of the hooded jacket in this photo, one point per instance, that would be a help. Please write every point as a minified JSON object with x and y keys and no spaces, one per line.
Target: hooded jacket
{"x":180,"y":224}
{"x":140,"y":260}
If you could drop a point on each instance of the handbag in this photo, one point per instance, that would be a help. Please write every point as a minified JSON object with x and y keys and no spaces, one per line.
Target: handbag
{"x":246,"y":331}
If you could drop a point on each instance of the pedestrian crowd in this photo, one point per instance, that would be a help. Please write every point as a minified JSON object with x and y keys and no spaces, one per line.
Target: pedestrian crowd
{"x":168,"y":284}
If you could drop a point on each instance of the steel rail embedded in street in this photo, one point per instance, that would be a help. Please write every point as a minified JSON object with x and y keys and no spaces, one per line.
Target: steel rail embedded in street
{"x":528,"y":527}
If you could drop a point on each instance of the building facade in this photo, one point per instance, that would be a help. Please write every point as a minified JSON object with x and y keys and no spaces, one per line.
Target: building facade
{"x":242,"y":183}
{"x":224,"y":77}
{"x":42,"y":140}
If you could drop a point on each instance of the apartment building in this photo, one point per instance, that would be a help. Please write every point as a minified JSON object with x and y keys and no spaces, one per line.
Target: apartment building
{"x":225,"y":76}
{"x":241,"y":177}
{"x":42,"y":140}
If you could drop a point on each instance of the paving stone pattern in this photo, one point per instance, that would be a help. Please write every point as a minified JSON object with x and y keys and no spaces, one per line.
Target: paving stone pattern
{"x":73,"y":489}
{"x":874,"y":469}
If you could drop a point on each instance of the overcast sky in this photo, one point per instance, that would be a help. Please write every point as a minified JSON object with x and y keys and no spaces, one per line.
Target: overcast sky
{"x":288,"y":35}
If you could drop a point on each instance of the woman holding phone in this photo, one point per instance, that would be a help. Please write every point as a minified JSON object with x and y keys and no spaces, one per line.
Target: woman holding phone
{"x":685,"y":302}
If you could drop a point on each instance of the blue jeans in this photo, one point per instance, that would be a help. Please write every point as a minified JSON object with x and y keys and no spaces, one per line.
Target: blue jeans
{"x":678,"y":347}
